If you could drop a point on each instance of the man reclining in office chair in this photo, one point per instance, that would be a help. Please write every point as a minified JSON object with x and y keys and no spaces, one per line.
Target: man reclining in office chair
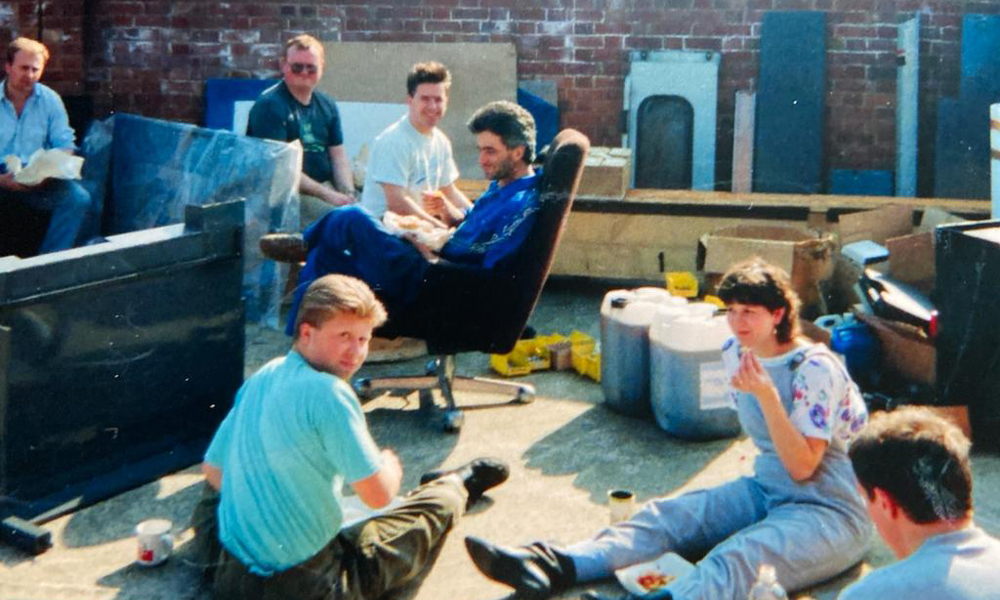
{"x":350,"y":241}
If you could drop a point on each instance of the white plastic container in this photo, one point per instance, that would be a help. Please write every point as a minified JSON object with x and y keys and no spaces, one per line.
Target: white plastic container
{"x":688,"y":384}
{"x":625,"y":321}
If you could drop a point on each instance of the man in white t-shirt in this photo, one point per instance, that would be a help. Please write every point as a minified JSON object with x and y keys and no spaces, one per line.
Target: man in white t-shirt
{"x":411,"y":170}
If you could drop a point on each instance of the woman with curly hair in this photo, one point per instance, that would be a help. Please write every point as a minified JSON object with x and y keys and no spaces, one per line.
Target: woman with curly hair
{"x":800,"y":511}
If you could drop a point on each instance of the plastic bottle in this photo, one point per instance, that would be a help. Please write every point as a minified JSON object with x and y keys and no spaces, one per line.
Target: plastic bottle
{"x":855,"y":341}
{"x":767,"y":586}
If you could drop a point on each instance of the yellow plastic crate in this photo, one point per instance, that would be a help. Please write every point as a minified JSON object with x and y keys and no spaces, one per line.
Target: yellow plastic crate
{"x":682,"y":283}
{"x":510,"y":365}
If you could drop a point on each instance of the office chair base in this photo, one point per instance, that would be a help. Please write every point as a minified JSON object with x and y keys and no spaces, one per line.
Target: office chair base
{"x":441,"y":376}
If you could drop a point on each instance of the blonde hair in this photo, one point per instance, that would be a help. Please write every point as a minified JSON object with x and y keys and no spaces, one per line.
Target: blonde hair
{"x":305,"y":42}
{"x":26,"y":45}
{"x":334,"y":294}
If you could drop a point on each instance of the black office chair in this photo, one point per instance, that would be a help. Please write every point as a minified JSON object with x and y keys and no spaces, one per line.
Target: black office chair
{"x":463,"y":309}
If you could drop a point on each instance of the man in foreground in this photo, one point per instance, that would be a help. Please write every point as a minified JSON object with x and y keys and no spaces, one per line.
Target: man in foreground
{"x":295,"y":434}
{"x":352,"y":242}
{"x":293,"y":109}
{"x":411,"y":170}
{"x":914,"y":472}
{"x":33,"y":117}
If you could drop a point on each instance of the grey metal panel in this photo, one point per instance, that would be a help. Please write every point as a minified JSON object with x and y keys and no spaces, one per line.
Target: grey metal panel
{"x":693,"y":76}
{"x":907,"y":105}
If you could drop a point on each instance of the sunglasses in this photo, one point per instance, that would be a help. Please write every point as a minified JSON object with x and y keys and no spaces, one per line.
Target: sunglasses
{"x":298,"y":68}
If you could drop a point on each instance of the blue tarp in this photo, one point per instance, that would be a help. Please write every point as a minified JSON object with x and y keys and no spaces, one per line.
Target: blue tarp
{"x":147,"y":170}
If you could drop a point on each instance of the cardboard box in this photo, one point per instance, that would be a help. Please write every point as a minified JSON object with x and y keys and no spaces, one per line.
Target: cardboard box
{"x":911,"y":249}
{"x":806,"y":256}
{"x":606,"y":173}
{"x":906,"y":351}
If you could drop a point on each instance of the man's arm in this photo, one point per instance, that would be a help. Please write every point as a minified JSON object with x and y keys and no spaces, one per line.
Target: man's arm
{"x":213,"y":475}
{"x":380,"y":488}
{"x":308,"y":185}
{"x":343,"y":176}
{"x":399,"y":202}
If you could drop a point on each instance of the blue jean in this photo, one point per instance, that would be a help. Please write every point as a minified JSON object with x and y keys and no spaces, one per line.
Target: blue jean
{"x":69,"y":203}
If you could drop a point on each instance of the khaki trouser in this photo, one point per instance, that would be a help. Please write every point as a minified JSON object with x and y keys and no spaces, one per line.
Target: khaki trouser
{"x":363,"y":561}
{"x":311,"y":208}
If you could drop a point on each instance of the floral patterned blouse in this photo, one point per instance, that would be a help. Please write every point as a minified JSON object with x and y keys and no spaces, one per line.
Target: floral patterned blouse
{"x":826,"y":403}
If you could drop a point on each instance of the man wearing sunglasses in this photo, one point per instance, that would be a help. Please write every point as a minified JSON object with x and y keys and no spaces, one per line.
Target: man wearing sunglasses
{"x":294,"y":110}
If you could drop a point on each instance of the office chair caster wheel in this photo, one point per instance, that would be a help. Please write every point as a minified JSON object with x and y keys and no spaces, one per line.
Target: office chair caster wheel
{"x":524,"y":396}
{"x":453,"y":421}
{"x":363,"y":388}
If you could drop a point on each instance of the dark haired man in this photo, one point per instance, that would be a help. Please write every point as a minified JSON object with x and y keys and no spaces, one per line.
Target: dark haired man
{"x":411,"y":170}
{"x":295,"y":435}
{"x":913,"y":470}
{"x":293,"y":109}
{"x":32,"y":117}
{"x":352,"y":242}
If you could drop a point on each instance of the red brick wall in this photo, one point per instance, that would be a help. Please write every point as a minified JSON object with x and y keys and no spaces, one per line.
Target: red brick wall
{"x":152,"y":56}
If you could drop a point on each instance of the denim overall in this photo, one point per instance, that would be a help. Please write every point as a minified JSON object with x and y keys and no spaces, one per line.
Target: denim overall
{"x":809,"y":530}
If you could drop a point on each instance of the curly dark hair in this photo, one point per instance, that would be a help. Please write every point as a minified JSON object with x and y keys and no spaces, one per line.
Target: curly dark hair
{"x":760,"y":283}
{"x":510,"y":122}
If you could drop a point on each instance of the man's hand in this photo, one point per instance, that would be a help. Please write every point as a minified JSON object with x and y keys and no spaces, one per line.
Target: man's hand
{"x":425,"y":251}
{"x":433,"y":202}
{"x":336,"y":198}
{"x":7,"y":183}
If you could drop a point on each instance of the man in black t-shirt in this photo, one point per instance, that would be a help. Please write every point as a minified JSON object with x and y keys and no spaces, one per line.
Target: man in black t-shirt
{"x":293,"y":110}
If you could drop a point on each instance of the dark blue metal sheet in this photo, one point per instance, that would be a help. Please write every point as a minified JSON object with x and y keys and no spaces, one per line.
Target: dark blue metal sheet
{"x":221,"y":96}
{"x":862,"y":182}
{"x":962,"y":147}
{"x":791,"y":88}
{"x":546,"y":117}
{"x":117,"y":361}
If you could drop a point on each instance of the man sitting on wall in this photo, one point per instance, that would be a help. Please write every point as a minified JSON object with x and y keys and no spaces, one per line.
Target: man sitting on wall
{"x":350,"y":241}
{"x":33,"y":117}
{"x":914,"y":471}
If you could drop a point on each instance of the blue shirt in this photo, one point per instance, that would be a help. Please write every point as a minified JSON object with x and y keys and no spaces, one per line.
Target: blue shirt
{"x":959,"y":565}
{"x":496,"y":225}
{"x":292,"y":439}
{"x":43,"y":124}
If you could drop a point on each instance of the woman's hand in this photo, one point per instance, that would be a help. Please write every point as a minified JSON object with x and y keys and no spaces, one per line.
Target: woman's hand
{"x":799,"y":454}
{"x":751,"y":377}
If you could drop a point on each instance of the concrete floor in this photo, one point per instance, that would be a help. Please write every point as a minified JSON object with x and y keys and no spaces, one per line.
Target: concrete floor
{"x":565,"y":449}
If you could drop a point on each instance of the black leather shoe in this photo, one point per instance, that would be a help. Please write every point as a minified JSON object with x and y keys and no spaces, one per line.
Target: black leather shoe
{"x":478,"y":475}
{"x":284,"y":247}
{"x":535,"y":572}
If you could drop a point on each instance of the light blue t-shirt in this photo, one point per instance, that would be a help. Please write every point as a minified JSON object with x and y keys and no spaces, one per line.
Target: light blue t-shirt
{"x":291,"y":440}
{"x":43,"y":124}
{"x":960,"y":565}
